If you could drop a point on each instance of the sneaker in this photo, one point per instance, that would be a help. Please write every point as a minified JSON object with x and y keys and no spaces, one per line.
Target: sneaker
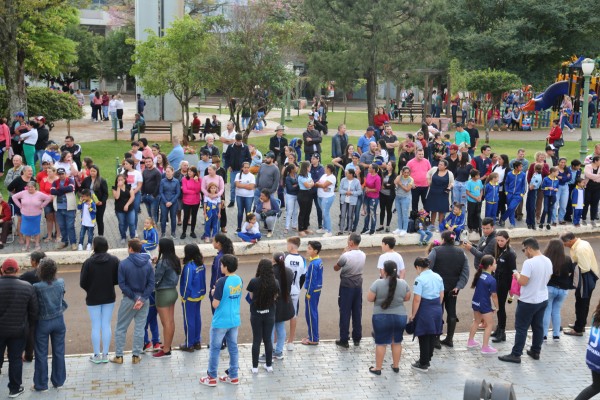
{"x":16,"y":393}
{"x":198,"y":346}
{"x":488,"y":350}
{"x":88,"y":247}
{"x":269,"y":234}
{"x":402,"y":232}
{"x":327,"y":234}
{"x":105,"y":358}
{"x":116,"y":360}
{"x":74,"y":247}
{"x":268,"y":368}
{"x":189,"y":349}
{"x":230,"y":380}
{"x":135,"y":359}
{"x":548,"y":226}
{"x":61,"y":246}
{"x":183,"y":236}
{"x":193,"y":235}
{"x":396,"y":231}
{"x":419,"y":367}
{"x":510,"y":358}
{"x":255,"y":371}
{"x":208,"y":381}
{"x":320,"y":231}
{"x":96,"y":359}
{"x":157,"y":346}
{"x":472,"y":343}
{"x":556,"y":338}
{"x":290,"y":347}
{"x":534,"y":355}
{"x":594,"y":223}
{"x":79,"y":247}
{"x":262,"y":359}
{"x":148,"y":347}
{"x":278,"y":356}
{"x":357,"y":343}
{"x":162,"y":354}
{"x":342,"y":343}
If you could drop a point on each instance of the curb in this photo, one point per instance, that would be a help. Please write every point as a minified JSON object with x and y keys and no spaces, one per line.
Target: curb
{"x":272,"y":246}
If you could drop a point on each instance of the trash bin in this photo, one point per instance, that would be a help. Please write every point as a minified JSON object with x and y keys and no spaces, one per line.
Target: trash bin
{"x":445,"y":124}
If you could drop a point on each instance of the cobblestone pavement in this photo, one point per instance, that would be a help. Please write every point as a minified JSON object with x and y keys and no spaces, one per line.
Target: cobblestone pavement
{"x":326,"y":372}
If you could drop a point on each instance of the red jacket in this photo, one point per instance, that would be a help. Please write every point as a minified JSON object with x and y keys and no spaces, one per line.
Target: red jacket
{"x":5,"y":213}
{"x":555,"y":134}
{"x":380,"y":119}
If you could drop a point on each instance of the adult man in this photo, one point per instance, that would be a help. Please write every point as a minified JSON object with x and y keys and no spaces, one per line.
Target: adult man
{"x":210,"y":146}
{"x":42,"y":139}
{"x":339,"y":142}
{"x":525,"y":162}
{"x":486,"y":244}
{"x":212,"y":126}
{"x":461,"y":137}
{"x":138,"y":125}
{"x":586,"y":274}
{"x":473,"y":135}
{"x":365,"y":140}
{"x":267,"y":178}
{"x":515,"y":184}
{"x":419,"y":166}
{"x":438,"y":105}
{"x":352,"y":264}
{"x":432,"y":127}
{"x":65,"y":204}
{"x":313,"y":117}
{"x":227,"y":138}
{"x":176,"y":156}
{"x":367,"y":158}
{"x":15,"y":171}
{"x":591,"y":181}
{"x":312,"y":141}
{"x":235,"y":155}
{"x":389,"y":254}
{"x":540,"y":158}
{"x":551,"y":158}
{"x":276,"y":145}
{"x":74,"y":149}
{"x":316,"y":171}
{"x":141,"y":104}
{"x":18,"y":311}
{"x":483,"y":161}
{"x":151,"y":187}
{"x":532,"y":303}
{"x":135,"y":181}
{"x":136,"y":280}
{"x":391,"y":142}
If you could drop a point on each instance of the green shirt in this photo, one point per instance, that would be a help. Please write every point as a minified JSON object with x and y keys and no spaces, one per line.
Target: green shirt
{"x":462,"y":137}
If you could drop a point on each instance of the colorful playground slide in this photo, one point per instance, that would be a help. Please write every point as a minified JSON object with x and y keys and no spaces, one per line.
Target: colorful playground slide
{"x":545,"y":100}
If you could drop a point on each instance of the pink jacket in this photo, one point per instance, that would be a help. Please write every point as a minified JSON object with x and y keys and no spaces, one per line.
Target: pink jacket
{"x":191,"y":191}
{"x":206,"y":180}
{"x":31,"y":205}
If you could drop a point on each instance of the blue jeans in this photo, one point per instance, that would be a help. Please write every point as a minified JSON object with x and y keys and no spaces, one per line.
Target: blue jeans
{"x":137,"y":202}
{"x":56,"y":330}
{"x":124,"y":317}
{"x":459,"y":192}
{"x":101,"y":315}
{"x":105,"y":112}
{"x":245,"y":121}
{"x":279,"y":328}
{"x":529,"y":315}
{"x":564,"y":120}
{"x":114,"y":120}
{"x":90,"y":234}
{"x":232,"y":176}
{"x":259,"y":122}
{"x":172,"y":212}
{"x":325,"y":204}
{"x":424,"y":235}
{"x":216,"y":339}
{"x":548,"y":210}
{"x":126,"y":219}
{"x":291,"y":211}
{"x":562,"y":198}
{"x":350,"y":303}
{"x":152,"y":203}
{"x":66,"y":223}
{"x":244,"y":206}
{"x":371,"y":217}
{"x":38,"y":156}
{"x":556,"y":297}
{"x":403,"y":210}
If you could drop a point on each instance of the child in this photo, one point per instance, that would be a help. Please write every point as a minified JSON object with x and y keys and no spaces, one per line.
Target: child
{"x":250,"y":231}
{"x":295,"y":262}
{"x":423,"y":230}
{"x":577,"y":201}
{"x":530,"y":205}
{"x":455,"y":221}
{"x":549,"y":188}
{"x":136,"y":155}
{"x":313,"y":285}
{"x":296,"y":144}
{"x":492,"y":196}
{"x":212,"y":213}
{"x":152,"y":324}
{"x":150,"y":241}
{"x":485,"y":287}
{"x":474,"y":188}
{"x":448,"y":143}
{"x":350,"y":189}
{"x":88,"y":218}
{"x":192,"y":288}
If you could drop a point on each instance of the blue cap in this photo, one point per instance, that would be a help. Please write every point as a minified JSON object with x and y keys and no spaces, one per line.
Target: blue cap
{"x":355,"y":154}
{"x":20,"y":114}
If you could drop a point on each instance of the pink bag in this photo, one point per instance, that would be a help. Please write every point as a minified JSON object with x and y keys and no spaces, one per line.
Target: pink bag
{"x":515,"y":288}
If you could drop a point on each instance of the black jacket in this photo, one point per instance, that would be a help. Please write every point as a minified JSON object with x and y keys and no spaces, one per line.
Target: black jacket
{"x":486,"y":245}
{"x":281,"y":143}
{"x":43,"y":136}
{"x":102,"y":191}
{"x":316,"y":141}
{"x":236,"y":156}
{"x":451,"y":263}
{"x":99,"y":275}
{"x":152,"y":179}
{"x":18,"y":307}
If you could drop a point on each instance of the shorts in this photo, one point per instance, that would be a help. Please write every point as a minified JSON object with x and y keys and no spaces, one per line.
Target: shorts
{"x":49,"y":209}
{"x":295,"y":298}
{"x":482,"y":310}
{"x":166,"y":297}
{"x":388,"y":328}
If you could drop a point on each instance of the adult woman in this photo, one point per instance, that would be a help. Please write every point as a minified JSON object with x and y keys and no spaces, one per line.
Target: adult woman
{"x":50,"y":325}
{"x":404,"y":184}
{"x":97,"y":107}
{"x":45,"y":186}
{"x":29,"y":139}
{"x":16,"y":186}
{"x":66,"y":162}
{"x":291,"y":197}
{"x":112,"y":110}
{"x":560,"y":282}
{"x":387,"y":195}
{"x":124,"y":207}
{"x":566,"y":109}
{"x":32,"y":203}
{"x":382,"y":150}
{"x":191,"y":187}
{"x":501,"y":168}
{"x":516,"y":119}
{"x":459,"y":190}
{"x":350,"y":192}
{"x":506,"y":263}
{"x":426,"y":311}
{"x":85,"y":170}
{"x":99,"y":275}
{"x":169,"y":192}
{"x":345,"y":159}
{"x":284,"y":309}
{"x":372,"y":188}
{"x":263,"y":290}
{"x":120,"y":105}
{"x":166,"y":276}
{"x":562,"y":197}
{"x":592,"y":190}
{"x":99,"y":188}
{"x":326,"y":195}
{"x":4,"y":142}
{"x":380,"y":119}
{"x":437,"y":148}
{"x":245,"y":183}
{"x":389,"y":315}
{"x":105,"y":101}
{"x":440,"y":185}
{"x":506,"y":118}
{"x":161,"y":162}
{"x":305,"y":183}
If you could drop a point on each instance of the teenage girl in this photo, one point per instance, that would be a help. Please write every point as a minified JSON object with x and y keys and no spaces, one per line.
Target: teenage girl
{"x":485,"y":287}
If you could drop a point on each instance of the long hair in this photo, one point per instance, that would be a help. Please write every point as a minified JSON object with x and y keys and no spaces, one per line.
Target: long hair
{"x":279,"y":259}
{"x":266,"y":293}
{"x":225,"y":242}
{"x":98,"y":180}
{"x":191,"y":252}
{"x":304,"y":169}
{"x":391,"y":270}
{"x":486,"y":262}
{"x":555,"y":251}
{"x":166,"y":252}
{"x":505,"y":235}
{"x":464,"y":159}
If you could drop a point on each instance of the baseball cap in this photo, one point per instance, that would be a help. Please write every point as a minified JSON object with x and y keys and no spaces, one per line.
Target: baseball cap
{"x":20,"y":114}
{"x":453,"y":147}
{"x":317,"y":156}
{"x":10,"y":265}
{"x":550,"y":147}
{"x":310,"y":113}
{"x":355,"y":154}
{"x":280,"y":128}
{"x":270,"y":154}
{"x":370,"y":128}
{"x":60,"y":171}
{"x":378,"y":160}
{"x":41,"y":119}
{"x":410,"y":145}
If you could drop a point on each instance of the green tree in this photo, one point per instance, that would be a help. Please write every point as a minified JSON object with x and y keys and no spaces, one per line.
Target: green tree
{"x":116,"y":53}
{"x":53,"y":105}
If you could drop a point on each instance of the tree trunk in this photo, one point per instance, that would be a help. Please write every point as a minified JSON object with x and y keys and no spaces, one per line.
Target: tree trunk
{"x":184,"y":113}
{"x":14,"y":76}
{"x":371,"y":93}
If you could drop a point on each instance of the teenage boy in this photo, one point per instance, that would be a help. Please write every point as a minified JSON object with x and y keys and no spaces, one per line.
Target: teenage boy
{"x":474,"y":188}
{"x":295,"y":262}
{"x":514,"y":185}
{"x":388,"y":254}
{"x":313,"y":286}
{"x":575,"y":171}
{"x":226,"y":295}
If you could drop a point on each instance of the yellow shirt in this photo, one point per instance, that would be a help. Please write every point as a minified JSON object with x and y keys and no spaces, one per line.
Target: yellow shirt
{"x":583,"y":254}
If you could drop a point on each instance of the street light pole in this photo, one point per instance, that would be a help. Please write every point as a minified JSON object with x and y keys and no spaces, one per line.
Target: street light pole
{"x":288,"y":100}
{"x":587,"y":66}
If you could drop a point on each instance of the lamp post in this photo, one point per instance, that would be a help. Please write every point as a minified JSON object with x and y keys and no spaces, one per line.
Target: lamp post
{"x":587,"y":66}
{"x":288,"y":95}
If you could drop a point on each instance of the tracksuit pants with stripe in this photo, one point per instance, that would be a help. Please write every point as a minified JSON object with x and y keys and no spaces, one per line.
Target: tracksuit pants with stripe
{"x":192,"y":322}
{"x":312,"y":316}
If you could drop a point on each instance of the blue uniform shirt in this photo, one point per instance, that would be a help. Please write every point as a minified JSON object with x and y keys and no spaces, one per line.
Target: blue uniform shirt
{"x":486,"y":285}
{"x":548,"y":186}
{"x":492,"y":193}
{"x":192,"y":285}
{"x":314,"y":276}
{"x":363,"y":143}
{"x":428,"y":285}
{"x":515,"y":184}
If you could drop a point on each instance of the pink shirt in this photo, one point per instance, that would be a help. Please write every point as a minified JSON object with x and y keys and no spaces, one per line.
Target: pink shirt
{"x":191,"y":191}
{"x":373,"y":182}
{"x":418,"y":171}
{"x":207,"y":179}
{"x":31,"y":205}
{"x":5,"y":135}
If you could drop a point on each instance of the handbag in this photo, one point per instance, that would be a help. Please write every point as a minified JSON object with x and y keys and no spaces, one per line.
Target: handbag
{"x":410,"y":327}
{"x":515,"y":288}
{"x":560,"y":142}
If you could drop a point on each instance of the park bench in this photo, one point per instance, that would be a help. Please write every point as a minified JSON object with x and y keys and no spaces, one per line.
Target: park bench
{"x":212,"y":103}
{"x":149,"y":129}
{"x":411,"y":112}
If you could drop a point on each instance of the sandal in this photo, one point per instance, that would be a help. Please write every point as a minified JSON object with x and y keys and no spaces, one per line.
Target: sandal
{"x":374,"y":371}
{"x":307,"y":342}
{"x":395,"y":369}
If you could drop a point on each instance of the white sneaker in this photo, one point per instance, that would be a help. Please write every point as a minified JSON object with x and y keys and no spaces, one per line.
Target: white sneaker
{"x":290,"y":347}
{"x":327,"y":234}
{"x":79,"y":247}
{"x":403,"y":233}
{"x":319,"y":231}
{"x":255,"y":371}
{"x":88,"y":247}
{"x":268,"y":369}
{"x":396,"y":231}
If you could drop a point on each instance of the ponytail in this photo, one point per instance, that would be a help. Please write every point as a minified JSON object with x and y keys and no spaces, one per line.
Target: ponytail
{"x":279,"y":259}
{"x":391,"y":270}
{"x":486,"y":262}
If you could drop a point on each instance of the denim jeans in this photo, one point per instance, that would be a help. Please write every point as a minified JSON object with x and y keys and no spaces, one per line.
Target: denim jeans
{"x":126,"y":220}
{"x":459,"y":192}
{"x":346,"y":217}
{"x":101,"y":316}
{"x":244,"y":206}
{"x":562,"y":198}
{"x":564,"y":120}
{"x":279,"y":328}
{"x":424,"y":235}
{"x":527,"y":315}
{"x":15,"y":348}
{"x":232,"y":176}
{"x":56,"y":330}
{"x":403,"y":211}
{"x":105,"y":112}
{"x":556,"y":297}
{"x":66,"y":223}
{"x":245,"y":121}
{"x":549,"y":210}
{"x":291,"y":211}
{"x":137,"y":202}
{"x":89,"y":230}
{"x":325,"y":203}
{"x":357,"y":208}
{"x":38,"y":156}
{"x":114,"y":120}
{"x":259,"y":121}
{"x":172,"y":212}
{"x":125,"y":315}
{"x":216,"y":339}
{"x":152,"y":203}
{"x":530,"y":207}
{"x":371,"y":217}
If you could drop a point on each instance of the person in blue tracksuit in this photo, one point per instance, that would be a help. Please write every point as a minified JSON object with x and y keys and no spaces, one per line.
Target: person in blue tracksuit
{"x":577,"y":201}
{"x":152,"y":324}
{"x":534,"y":184}
{"x":313,"y":285}
{"x":150,"y":241}
{"x":492,"y":196}
{"x":550,"y":189}
{"x":455,"y":221}
{"x":192,"y":288}
{"x":592,"y":358}
{"x":515,"y":184}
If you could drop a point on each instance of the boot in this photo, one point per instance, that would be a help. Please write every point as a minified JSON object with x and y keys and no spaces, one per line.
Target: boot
{"x":450,"y":334}
{"x":436,"y":343}
{"x":500,"y":335}
{"x":494,"y":333}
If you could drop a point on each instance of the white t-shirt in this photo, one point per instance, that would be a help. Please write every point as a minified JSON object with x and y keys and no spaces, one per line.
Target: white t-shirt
{"x":538,"y":269}
{"x":296,"y":263}
{"x":134,"y":177}
{"x":86,"y":218}
{"x":66,"y":166}
{"x":245,"y":179}
{"x":391,"y":256}
{"x":228,"y":136}
{"x":138,"y":156}
{"x":329,"y":191}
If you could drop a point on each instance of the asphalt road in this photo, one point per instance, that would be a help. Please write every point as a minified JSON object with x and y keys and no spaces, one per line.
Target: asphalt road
{"x":78,"y":324}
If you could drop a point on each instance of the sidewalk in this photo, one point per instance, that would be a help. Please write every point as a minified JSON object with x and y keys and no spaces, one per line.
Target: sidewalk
{"x":327,"y":372}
